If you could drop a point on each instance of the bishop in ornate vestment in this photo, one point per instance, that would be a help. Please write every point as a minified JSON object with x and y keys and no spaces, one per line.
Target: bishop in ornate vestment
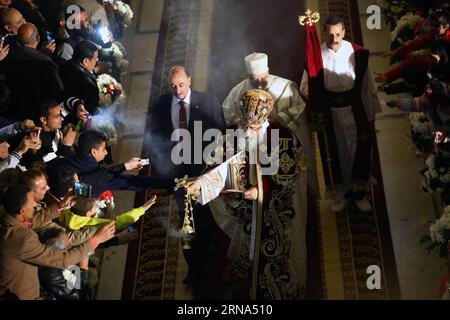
{"x":258,"y":198}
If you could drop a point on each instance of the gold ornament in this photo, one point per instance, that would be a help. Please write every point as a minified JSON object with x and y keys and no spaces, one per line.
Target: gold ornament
{"x":188,"y":229}
{"x":310,"y":18}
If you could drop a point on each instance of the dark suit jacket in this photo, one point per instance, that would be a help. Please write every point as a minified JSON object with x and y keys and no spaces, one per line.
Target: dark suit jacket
{"x":32,"y":77}
{"x":80,"y":83}
{"x":204,"y":107}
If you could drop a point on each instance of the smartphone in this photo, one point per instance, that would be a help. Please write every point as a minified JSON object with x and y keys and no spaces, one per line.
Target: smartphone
{"x":2,"y":39}
{"x":131,"y":229}
{"x":49,"y":36}
{"x":145,"y":162}
{"x":104,"y":33}
{"x":82,"y":189}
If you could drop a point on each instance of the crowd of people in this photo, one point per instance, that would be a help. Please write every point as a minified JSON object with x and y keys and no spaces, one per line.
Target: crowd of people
{"x":50,"y":148}
{"x":421,"y":50}
{"x":251,"y":232}
{"x":53,"y":184}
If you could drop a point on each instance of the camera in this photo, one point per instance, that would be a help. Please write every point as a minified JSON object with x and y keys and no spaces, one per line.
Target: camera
{"x":82,"y":189}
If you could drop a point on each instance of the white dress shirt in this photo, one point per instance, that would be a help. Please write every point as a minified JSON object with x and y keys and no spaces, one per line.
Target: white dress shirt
{"x":175,"y":110}
{"x":339,"y":67}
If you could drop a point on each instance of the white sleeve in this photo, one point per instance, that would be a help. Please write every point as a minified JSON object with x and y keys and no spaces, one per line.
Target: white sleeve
{"x":212,"y":183}
{"x":65,"y":51}
{"x":304,"y":84}
{"x":230,"y":106}
{"x":10,"y":162}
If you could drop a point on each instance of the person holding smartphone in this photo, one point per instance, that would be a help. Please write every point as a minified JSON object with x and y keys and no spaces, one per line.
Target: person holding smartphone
{"x":91,"y":151}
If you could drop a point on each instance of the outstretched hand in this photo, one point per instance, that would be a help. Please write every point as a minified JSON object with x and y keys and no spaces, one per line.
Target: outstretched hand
{"x":380,"y":78}
{"x":106,"y":232}
{"x":133,"y":163}
{"x":388,"y":54}
{"x":150,"y":203}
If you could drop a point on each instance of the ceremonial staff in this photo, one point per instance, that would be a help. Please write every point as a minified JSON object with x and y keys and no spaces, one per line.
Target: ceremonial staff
{"x":314,"y":68}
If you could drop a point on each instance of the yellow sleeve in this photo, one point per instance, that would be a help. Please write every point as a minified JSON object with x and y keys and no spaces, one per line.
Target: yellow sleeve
{"x":75,"y":222}
{"x":127,"y":218}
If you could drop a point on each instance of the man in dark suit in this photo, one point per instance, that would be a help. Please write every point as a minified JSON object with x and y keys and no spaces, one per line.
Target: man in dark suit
{"x":31,"y":76}
{"x":79,"y":80}
{"x":186,"y":109}
{"x":181,"y":109}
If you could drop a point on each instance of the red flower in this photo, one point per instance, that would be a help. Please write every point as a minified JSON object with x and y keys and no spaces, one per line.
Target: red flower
{"x":106,"y":195}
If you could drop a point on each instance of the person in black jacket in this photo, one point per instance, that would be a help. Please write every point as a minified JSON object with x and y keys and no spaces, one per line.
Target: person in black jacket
{"x":196,"y":112}
{"x":11,"y":20}
{"x":31,"y":76}
{"x":200,"y":108}
{"x":91,"y":151}
{"x":32,"y":14}
{"x":55,"y":143}
{"x":70,"y":36}
{"x":63,"y":284}
{"x":78,"y":78}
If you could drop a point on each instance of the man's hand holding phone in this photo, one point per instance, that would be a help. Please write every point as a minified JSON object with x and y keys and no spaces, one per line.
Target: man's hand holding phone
{"x":48,"y":48}
{"x":4,"y":50}
{"x":28,"y":143}
{"x":67,"y":202}
{"x":82,"y":189}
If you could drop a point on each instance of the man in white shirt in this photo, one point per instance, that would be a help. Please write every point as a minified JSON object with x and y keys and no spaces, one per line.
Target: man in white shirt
{"x":347,"y":99}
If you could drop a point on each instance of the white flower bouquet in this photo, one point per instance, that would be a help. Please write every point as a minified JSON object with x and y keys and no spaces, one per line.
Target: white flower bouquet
{"x":110,"y":91}
{"x":125,"y":13}
{"x":392,"y":10}
{"x":439,"y":234}
{"x":408,"y":21}
{"x":421,"y":132}
{"x":437,"y":175}
{"x":116,"y":54}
